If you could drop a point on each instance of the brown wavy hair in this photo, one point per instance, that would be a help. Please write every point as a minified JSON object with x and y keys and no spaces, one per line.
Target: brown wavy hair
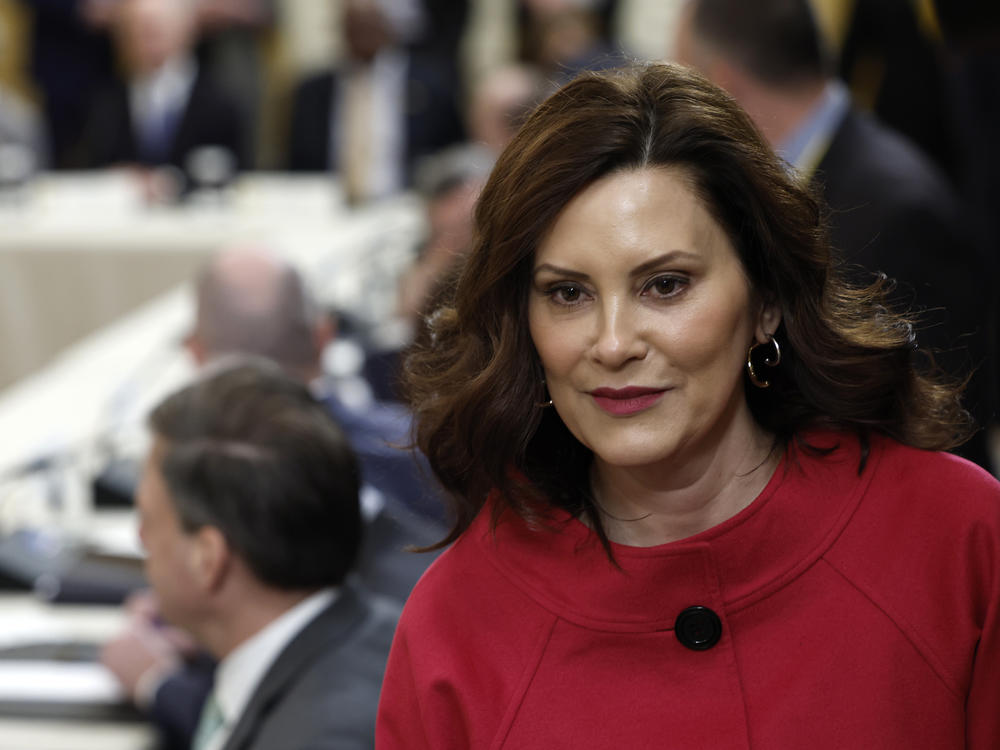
{"x":474,"y":379}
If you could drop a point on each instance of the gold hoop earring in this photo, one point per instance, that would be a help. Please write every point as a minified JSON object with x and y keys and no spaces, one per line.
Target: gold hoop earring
{"x":544,"y":404}
{"x":771,"y":360}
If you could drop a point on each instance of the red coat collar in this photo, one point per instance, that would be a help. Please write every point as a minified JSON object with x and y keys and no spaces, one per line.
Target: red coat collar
{"x":766,"y":546}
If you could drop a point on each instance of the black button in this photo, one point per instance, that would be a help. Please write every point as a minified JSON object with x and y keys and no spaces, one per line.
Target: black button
{"x":698,"y":628}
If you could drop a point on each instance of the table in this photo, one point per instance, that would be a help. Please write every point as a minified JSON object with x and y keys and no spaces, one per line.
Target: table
{"x":79,"y":250}
{"x":35,"y":734}
{"x":62,"y":280}
{"x":25,"y":617}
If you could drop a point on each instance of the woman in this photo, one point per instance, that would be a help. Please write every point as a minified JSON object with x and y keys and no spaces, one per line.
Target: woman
{"x":698,"y":505}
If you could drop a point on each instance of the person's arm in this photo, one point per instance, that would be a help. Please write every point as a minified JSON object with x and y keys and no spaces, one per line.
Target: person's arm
{"x":176,"y":705}
{"x":140,"y":658}
{"x":160,"y":669}
{"x":983,"y":700}
{"x":146,"y":650}
{"x":400,"y":723}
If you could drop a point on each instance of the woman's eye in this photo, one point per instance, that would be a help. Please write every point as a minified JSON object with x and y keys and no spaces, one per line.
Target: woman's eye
{"x":566,"y":295}
{"x":666,"y":286}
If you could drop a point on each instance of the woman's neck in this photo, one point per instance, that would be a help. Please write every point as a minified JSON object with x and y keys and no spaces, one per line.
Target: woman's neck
{"x":651,"y":505}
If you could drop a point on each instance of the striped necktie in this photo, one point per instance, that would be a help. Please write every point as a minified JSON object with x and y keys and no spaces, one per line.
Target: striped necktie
{"x":209,"y":724}
{"x":359,"y":141}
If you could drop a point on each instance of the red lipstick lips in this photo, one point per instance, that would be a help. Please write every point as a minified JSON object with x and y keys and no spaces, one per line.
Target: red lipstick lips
{"x":625,"y":401}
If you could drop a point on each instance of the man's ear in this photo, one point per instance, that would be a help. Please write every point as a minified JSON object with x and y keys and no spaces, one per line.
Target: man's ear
{"x":767,"y":322}
{"x":325,"y":331}
{"x":196,"y":348}
{"x":211,"y":558}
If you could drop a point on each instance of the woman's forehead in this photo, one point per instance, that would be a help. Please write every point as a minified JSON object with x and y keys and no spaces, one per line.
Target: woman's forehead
{"x":635,"y":215}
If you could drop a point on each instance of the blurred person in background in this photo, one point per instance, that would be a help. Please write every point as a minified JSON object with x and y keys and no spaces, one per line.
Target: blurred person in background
{"x":71,"y":62}
{"x":232,"y":35}
{"x":450,"y":180}
{"x":370,"y":118}
{"x":893,"y":59}
{"x":502,"y":101}
{"x":891,"y":210}
{"x":21,"y":128}
{"x":250,"y":517}
{"x":228,"y":39}
{"x":250,"y":302}
{"x":166,"y":109}
{"x":22,"y":135}
{"x":972,"y":34}
{"x":440,"y":33}
{"x":565,"y":37}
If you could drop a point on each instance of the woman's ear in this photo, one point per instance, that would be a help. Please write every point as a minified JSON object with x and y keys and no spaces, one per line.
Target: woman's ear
{"x":767,"y":322}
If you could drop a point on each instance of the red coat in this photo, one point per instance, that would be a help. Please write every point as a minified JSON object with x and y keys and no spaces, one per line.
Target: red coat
{"x":855,"y":611}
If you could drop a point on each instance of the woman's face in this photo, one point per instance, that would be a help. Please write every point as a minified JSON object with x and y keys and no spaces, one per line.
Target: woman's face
{"x":641,"y":315}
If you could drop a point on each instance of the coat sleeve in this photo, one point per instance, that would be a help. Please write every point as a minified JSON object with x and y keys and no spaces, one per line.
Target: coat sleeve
{"x":400,"y":722}
{"x":983,"y":701}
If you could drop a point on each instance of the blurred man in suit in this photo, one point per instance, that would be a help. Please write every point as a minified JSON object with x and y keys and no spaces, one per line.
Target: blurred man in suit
{"x":250,"y":302}
{"x":70,"y":61}
{"x":373,"y":116}
{"x":249,"y":514}
{"x":891,"y":211}
{"x":166,"y":110}
{"x":22,"y":136}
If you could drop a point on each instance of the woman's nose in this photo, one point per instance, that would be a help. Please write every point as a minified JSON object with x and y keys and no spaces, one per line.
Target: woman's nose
{"x":618,"y":337}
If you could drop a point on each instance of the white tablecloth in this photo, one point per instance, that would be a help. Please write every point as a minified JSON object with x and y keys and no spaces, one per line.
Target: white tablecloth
{"x":116,"y":285}
{"x":81,"y":250}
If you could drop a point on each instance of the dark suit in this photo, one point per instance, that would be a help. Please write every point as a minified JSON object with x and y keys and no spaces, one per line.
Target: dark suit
{"x":70,"y":64}
{"x":322,"y":691}
{"x":430,"y":111}
{"x":893,"y":212}
{"x":384,"y":565}
{"x":177,"y":704}
{"x":379,"y":434}
{"x":211,"y":118}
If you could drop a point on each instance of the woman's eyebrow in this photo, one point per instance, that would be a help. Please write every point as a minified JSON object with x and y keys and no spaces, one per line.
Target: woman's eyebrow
{"x":560,"y":271}
{"x":667,"y":257}
{"x":670,"y":256}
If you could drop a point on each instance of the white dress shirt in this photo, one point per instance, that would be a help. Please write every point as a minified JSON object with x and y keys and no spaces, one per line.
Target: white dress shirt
{"x":805,"y":147}
{"x":241,"y":671}
{"x":161,"y":94}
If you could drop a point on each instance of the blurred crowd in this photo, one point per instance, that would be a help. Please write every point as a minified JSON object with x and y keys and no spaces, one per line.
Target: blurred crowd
{"x":414,"y":94}
{"x":93,"y":83}
{"x":159,"y":82}
{"x":185,"y":94}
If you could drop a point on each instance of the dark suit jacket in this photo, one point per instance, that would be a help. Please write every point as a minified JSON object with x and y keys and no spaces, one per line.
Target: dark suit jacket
{"x":385,"y":564}
{"x":431,"y":112}
{"x":212,"y":118}
{"x":384,"y":567}
{"x":178,"y":701}
{"x":70,"y":63}
{"x":893,"y":212}
{"x":322,"y":691}
{"x":379,"y":434}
